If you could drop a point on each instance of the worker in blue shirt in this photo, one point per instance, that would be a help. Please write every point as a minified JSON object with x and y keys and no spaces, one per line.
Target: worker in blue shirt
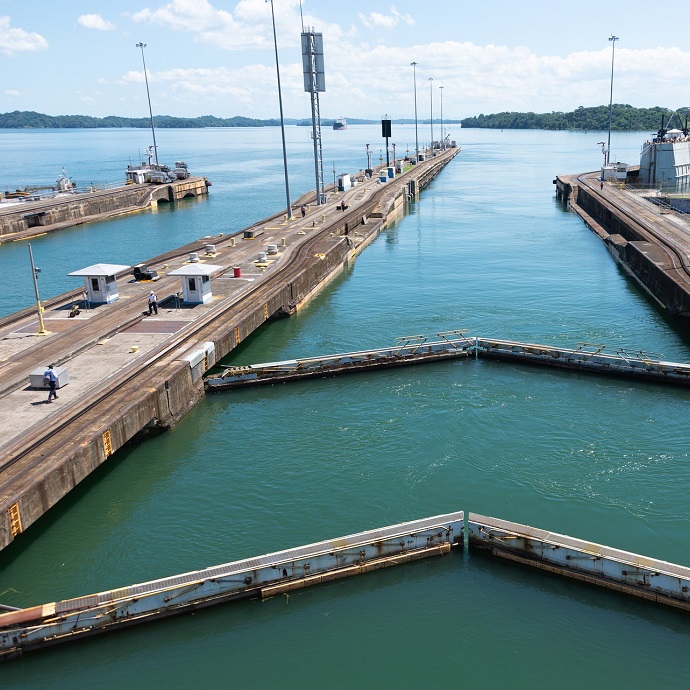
{"x":50,"y":376}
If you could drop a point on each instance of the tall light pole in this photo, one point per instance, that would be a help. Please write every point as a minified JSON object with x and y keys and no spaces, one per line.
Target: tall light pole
{"x":282,"y":121}
{"x":148,"y":95}
{"x":34,"y":274}
{"x":613,"y":40}
{"x":416,"y":133}
{"x":431,"y":91}
{"x":443,"y":139}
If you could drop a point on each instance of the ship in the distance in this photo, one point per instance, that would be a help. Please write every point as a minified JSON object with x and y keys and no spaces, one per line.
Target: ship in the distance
{"x":340,"y":123}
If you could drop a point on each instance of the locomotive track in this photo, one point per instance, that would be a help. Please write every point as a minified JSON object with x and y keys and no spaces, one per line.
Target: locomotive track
{"x":39,"y":443}
{"x":672,"y":248}
{"x":44,"y":457}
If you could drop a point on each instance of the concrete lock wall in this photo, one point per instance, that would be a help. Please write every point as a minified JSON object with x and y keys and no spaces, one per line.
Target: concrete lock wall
{"x":50,"y":212}
{"x":640,"y":257}
{"x":176,"y":385}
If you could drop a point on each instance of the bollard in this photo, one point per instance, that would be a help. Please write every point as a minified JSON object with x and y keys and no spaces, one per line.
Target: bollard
{"x":232,"y":242}
{"x":283,"y":243}
{"x":323,"y":217}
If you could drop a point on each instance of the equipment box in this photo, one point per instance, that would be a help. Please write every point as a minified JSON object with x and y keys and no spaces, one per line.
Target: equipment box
{"x":36,"y":377}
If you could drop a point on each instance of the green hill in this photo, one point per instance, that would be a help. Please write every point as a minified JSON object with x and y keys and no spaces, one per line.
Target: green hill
{"x":624,"y":117}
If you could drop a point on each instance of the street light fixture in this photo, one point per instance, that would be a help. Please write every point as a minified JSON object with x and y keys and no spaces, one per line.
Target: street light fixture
{"x":613,"y":40}
{"x":282,"y":121}
{"x":431,"y":92}
{"x":416,"y":134}
{"x":34,"y":274}
{"x":443,"y":139}
{"x":148,"y":96}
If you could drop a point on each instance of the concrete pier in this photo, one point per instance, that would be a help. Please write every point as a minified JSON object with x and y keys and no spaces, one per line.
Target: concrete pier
{"x":25,"y":219}
{"x":650,"y":241}
{"x":130,"y":373}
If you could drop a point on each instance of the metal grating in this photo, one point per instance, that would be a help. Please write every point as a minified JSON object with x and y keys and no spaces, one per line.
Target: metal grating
{"x":277,"y":558}
{"x":52,"y":325}
{"x":578,"y":544}
{"x":149,"y":326}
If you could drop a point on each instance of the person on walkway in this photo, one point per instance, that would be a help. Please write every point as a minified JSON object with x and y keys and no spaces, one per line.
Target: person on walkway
{"x":303,"y":208}
{"x":50,"y":376}
{"x":153,"y":303}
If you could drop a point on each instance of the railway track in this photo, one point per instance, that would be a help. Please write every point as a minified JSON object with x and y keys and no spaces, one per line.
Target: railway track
{"x":677,"y":254}
{"x":45,"y":449}
{"x":39,"y":444}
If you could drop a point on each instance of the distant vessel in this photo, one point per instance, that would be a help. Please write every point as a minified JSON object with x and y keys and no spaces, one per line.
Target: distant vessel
{"x":340,"y":123}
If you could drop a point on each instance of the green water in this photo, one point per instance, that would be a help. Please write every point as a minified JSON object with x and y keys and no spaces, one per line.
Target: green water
{"x":486,"y":249}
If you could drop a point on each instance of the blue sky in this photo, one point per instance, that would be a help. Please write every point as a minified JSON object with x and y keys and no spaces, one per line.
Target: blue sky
{"x":216,"y":57}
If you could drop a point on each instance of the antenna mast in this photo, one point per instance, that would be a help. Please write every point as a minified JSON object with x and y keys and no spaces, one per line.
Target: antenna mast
{"x":315,"y":81}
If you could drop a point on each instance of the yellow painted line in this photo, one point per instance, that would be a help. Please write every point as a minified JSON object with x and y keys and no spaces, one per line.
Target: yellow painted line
{"x":30,"y":237}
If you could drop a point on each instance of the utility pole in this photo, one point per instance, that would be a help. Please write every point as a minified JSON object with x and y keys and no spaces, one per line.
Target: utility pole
{"x":282,"y":119}
{"x":431,"y":90}
{"x":34,"y":274}
{"x":613,"y":40}
{"x":416,"y":134}
{"x":148,"y":96}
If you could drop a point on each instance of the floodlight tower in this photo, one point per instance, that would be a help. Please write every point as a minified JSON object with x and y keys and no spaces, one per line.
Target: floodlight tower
{"x":148,"y":96}
{"x":282,"y":119}
{"x":613,"y":40}
{"x":315,"y":81}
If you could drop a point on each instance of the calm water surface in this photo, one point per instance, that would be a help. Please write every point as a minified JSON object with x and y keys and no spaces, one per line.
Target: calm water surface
{"x":486,"y":249}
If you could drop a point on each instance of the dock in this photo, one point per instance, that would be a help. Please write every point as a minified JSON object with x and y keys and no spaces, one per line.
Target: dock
{"x":25,"y":219}
{"x":414,"y":350}
{"x":648,"y":237}
{"x":131,"y":374}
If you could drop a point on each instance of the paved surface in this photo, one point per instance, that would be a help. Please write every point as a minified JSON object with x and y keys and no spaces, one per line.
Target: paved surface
{"x":103,"y":341}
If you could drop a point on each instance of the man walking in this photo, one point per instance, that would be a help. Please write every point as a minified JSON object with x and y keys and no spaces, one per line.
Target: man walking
{"x":153,"y":303}
{"x":50,"y":376}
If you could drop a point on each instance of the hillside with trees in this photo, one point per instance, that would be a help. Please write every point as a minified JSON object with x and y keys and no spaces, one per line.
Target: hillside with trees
{"x":624,"y":117}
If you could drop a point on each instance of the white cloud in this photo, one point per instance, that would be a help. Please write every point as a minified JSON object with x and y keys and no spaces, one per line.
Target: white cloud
{"x":13,"y":92}
{"x":211,"y":26}
{"x":13,"y":40}
{"x":376,"y":20}
{"x":95,"y":21}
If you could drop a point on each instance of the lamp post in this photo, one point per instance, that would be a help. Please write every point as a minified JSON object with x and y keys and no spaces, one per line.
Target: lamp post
{"x":443,"y":140}
{"x":34,"y":274}
{"x":282,"y":122}
{"x":431,"y":92}
{"x":416,"y":134}
{"x":613,"y":40}
{"x":148,"y":96}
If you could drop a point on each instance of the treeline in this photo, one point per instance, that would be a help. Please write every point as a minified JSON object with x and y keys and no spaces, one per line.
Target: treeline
{"x":624,"y":117}
{"x":27,"y":119}
{"x":32,"y":120}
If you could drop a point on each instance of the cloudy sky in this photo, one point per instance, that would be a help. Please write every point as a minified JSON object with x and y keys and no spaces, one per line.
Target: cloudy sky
{"x":216,"y":56}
